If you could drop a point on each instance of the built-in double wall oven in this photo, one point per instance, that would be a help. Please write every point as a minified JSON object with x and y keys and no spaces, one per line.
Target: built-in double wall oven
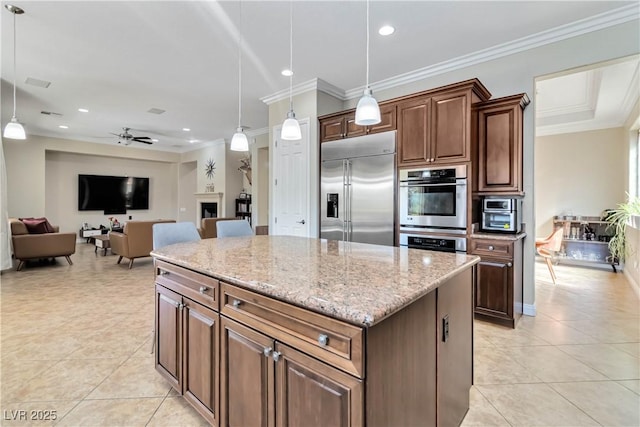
{"x":433,"y":208}
{"x":433,"y":199}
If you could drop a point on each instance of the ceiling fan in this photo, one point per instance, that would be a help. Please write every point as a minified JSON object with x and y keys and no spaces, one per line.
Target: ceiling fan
{"x":127,"y":138}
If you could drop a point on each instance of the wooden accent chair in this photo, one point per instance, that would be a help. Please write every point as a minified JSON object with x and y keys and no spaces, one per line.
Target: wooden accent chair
{"x":548,"y":247}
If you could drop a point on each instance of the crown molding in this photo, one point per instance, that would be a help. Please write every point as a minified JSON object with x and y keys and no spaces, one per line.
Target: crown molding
{"x":631,"y":96}
{"x":577,"y":127}
{"x":310,"y":85}
{"x":563,"y":32}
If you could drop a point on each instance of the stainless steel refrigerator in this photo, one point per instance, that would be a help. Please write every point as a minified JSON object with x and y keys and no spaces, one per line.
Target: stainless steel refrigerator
{"x":357,"y":189}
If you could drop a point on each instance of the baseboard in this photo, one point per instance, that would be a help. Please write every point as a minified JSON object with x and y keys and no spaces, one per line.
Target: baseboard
{"x":634,"y":284}
{"x":529,"y":309}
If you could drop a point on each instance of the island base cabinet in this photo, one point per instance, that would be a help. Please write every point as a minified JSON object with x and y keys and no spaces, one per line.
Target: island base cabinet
{"x":247,"y":382}
{"x":312,"y":393}
{"x":266,"y":383}
{"x":187,"y":350}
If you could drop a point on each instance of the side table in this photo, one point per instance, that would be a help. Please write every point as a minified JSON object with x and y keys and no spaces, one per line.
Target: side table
{"x":102,"y":242}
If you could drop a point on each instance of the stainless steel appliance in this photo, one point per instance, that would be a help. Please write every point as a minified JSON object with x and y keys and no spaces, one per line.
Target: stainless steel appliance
{"x":434,"y":199}
{"x":434,"y":242}
{"x":501,"y":214}
{"x":357,"y":189}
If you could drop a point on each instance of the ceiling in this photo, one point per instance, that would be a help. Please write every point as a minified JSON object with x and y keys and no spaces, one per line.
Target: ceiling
{"x":119,"y":59}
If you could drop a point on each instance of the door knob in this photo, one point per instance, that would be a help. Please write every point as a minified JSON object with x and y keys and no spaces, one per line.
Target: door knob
{"x":301,"y":222}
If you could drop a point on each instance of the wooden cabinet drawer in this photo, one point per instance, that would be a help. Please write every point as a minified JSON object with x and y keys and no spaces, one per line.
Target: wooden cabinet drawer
{"x":497,"y":248}
{"x":337,"y":343}
{"x":200,"y":288}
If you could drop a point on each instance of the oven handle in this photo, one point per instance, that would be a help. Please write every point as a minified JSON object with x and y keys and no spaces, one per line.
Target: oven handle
{"x":410,"y":184}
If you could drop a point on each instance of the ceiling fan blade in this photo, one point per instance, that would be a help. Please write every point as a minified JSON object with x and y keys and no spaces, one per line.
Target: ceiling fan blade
{"x":144,"y":142}
{"x":141,"y":137}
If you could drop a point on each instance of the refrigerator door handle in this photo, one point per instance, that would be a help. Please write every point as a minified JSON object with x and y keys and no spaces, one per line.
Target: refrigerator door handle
{"x":350,"y":187}
{"x":345,"y":208}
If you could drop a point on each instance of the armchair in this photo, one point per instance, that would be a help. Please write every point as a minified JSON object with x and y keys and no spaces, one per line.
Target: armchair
{"x":135,"y":240}
{"x":28,"y":246}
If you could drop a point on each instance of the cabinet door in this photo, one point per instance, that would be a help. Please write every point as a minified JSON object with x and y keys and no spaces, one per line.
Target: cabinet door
{"x":387,"y":120}
{"x":168,"y":336}
{"x":246,"y":377}
{"x":494,"y":287}
{"x":311,"y":393}
{"x":414,"y":135}
{"x":451,"y":128}
{"x":332,"y":129}
{"x":200,"y":354}
{"x":352,"y":128}
{"x":500,"y":145}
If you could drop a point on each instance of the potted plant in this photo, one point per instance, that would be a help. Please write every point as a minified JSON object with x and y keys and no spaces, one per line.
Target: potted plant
{"x":618,"y":220}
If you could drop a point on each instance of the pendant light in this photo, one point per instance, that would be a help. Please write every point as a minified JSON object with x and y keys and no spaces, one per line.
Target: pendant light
{"x":14,"y":129}
{"x":367,"y":111}
{"x":239,"y":141}
{"x":291,"y":128}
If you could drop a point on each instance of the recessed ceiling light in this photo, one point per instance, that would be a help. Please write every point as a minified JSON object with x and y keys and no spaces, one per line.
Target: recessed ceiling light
{"x":193,"y":141}
{"x":287,"y":73}
{"x":83,"y":110}
{"x":63,"y":127}
{"x":154,"y":140}
{"x":186,"y":129}
{"x":386,"y":30}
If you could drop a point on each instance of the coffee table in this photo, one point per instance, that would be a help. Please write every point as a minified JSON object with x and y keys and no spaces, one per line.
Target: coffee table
{"x":102,"y":242}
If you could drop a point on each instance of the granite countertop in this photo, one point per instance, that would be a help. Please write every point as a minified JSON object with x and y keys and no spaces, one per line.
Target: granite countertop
{"x":498,"y":236}
{"x":358,"y":283}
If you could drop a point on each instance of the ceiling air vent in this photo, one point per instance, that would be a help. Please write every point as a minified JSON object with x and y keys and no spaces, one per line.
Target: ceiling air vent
{"x":37,"y":82}
{"x":155,"y":111}
{"x":50,"y":113}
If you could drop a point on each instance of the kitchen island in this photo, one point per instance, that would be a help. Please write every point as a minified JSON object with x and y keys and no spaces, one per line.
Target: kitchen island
{"x":281,"y":330}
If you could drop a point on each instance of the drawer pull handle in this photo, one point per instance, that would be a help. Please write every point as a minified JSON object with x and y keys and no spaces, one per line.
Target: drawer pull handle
{"x":267,"y":351}
{"x":236,"y":303}
{"x":276,"y":356}
{"x":509,"y":264}
{"x":164,"y":273}
{"x":323,"y":339}
{"x":491,"y":247}
{"x":203,"y":289}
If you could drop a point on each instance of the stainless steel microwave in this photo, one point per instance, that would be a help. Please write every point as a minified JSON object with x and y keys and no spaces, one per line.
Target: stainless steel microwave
{"x":501,"y":215}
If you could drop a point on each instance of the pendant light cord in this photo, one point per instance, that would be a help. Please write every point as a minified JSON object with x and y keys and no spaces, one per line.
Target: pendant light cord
{"x":291,"y":55}
{"x":240,"y":70}
{"x":14,"y":64}
{"x":367,"y":45}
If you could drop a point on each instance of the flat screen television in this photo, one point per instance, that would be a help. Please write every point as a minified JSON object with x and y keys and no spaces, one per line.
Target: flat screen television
{"x":112,"y":194}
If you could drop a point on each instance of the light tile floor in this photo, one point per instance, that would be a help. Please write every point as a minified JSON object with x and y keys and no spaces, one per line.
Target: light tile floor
{"x":76,"y":340}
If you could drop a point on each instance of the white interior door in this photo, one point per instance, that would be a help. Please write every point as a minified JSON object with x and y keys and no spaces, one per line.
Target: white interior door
{"x":291,"y":195}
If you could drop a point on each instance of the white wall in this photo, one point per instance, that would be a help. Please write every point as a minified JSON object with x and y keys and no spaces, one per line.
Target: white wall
{"x":188,"y":182}
{"x":582,"y":173}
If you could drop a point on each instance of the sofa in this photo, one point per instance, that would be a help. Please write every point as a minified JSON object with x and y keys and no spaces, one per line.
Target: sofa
{"x":40,"y":243}
{"x":207,"y":228}
{"x":135,"y":240}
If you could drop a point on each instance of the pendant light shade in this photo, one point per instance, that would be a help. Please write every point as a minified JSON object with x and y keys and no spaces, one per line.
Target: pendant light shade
{"x":367,"y":111}
{"x":239,"y":141}
{"x":291,"y":128}
{"x":14,"y":129}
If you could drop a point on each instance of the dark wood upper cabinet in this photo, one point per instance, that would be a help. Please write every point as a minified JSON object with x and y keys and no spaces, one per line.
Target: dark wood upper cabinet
{"x":414,"y":138}
{"x":343,"y":125}
{"x":499,"y":150}
{"x":451,"y":130}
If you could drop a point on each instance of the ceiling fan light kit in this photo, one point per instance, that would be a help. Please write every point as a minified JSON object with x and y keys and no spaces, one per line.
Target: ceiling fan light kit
{"x":239,"y":141}
{"x":291,"y":128}
{"x":14,"y":129}
{"x":367,"y":111}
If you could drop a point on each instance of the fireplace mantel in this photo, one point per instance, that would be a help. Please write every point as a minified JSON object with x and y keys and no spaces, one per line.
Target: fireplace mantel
{"x":209,"y":198}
